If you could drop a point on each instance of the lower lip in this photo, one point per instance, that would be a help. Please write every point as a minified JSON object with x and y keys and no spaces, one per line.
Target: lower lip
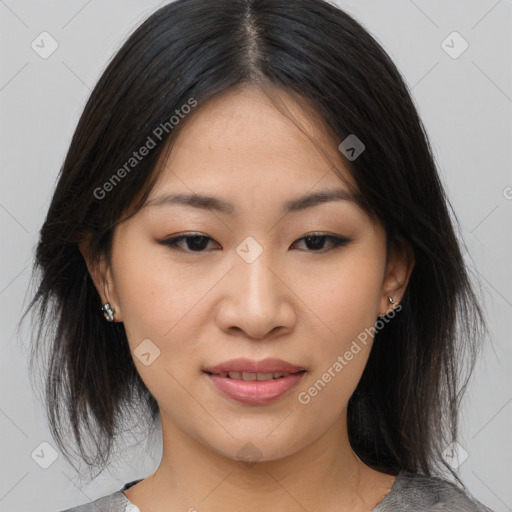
{"x":256,"y":392}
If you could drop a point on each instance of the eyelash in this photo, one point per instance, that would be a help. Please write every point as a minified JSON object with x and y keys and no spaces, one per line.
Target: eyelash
{"x":172,"y":243}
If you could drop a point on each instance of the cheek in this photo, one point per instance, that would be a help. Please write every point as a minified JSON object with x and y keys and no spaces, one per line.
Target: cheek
{"x":340,"y":357}
{"x":154,"y":307}
{"x":346,"y":310}
{"x":154,"y":294}
{"x":346,"y":299}
{"x":145,"y":297}
{"x":160,"y":302}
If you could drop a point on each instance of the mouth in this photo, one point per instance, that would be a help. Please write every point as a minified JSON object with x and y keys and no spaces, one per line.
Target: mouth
{"x":254,"y":388}
{"x":251,"y":370}
{"x":255,"y":376}
{"x":255,"y":382}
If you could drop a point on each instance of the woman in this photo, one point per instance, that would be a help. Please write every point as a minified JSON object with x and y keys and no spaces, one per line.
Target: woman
{"x":249,"y":240}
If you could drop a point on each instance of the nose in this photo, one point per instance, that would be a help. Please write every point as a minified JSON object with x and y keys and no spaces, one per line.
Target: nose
{"x":256,"y":300}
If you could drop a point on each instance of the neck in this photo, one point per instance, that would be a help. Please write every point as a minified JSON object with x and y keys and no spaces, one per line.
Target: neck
{"x":324,"y":475}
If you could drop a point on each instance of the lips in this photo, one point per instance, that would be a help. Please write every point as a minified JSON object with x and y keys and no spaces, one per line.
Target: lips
{"x":255,"y":382}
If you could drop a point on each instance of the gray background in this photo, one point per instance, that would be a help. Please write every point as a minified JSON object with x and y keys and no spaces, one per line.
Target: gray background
{"x":466,"y":105}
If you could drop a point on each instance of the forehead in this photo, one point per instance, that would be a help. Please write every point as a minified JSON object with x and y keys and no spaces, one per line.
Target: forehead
{"x":239,"y":144}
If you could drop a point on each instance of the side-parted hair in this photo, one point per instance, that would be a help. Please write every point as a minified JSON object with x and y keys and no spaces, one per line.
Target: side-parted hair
{"x":404,"y":411}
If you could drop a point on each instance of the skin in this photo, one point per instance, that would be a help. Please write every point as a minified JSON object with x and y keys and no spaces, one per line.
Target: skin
{"x":294,"y":302}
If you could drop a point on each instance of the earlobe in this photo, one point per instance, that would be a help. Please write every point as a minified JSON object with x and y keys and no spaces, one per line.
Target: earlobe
{"x":101,"y":276}
{"x":398,"y":272}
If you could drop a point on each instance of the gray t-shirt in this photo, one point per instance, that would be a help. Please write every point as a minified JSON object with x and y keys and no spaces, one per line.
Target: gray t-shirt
{"x":409,"y":493}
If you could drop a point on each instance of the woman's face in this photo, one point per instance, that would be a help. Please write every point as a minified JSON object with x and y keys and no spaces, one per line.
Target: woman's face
{"x":250,"y":286}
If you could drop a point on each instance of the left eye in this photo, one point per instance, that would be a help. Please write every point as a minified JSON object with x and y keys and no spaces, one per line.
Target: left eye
{"x":196,"y":243}
{"x":317,"y":241}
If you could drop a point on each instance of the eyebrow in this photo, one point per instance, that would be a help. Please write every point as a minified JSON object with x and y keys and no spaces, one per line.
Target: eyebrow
{"x":294,"y":205}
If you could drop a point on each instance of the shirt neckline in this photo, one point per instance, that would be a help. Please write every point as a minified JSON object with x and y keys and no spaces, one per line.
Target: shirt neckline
{"x":391,"y":491}
{"x":381,"y":503}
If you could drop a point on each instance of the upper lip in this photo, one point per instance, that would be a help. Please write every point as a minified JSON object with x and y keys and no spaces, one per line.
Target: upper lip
{"x":269,"y":365}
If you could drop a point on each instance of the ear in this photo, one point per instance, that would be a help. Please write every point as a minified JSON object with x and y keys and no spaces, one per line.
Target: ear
{"x":101,"y":275}
{"x":398,"y":271}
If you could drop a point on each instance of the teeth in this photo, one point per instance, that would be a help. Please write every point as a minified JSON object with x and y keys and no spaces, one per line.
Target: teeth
{"x":253,"y":376}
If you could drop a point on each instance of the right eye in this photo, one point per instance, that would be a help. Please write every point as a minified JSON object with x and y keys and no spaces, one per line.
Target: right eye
{"x":194,"y":242}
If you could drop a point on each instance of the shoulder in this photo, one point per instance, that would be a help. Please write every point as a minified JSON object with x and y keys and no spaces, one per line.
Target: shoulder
{"x":116,"y":502}
{"x":416,"y":492}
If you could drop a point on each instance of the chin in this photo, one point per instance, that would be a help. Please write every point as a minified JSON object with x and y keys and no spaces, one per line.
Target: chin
{"x":252,"y":449}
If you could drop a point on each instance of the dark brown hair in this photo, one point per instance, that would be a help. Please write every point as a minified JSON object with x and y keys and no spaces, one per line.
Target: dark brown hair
{"x":405,"y":408}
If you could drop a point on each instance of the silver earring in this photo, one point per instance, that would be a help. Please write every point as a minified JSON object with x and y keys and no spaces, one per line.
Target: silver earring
{"x":108,"y":312}
{"x":390,"y":301}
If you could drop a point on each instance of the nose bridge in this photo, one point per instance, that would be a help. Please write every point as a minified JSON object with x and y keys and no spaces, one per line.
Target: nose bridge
{"x":259,"y":285}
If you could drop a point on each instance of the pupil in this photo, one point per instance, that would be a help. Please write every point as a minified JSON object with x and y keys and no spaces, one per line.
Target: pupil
{"x":319,"y":242}
{"x":198,"y":242}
